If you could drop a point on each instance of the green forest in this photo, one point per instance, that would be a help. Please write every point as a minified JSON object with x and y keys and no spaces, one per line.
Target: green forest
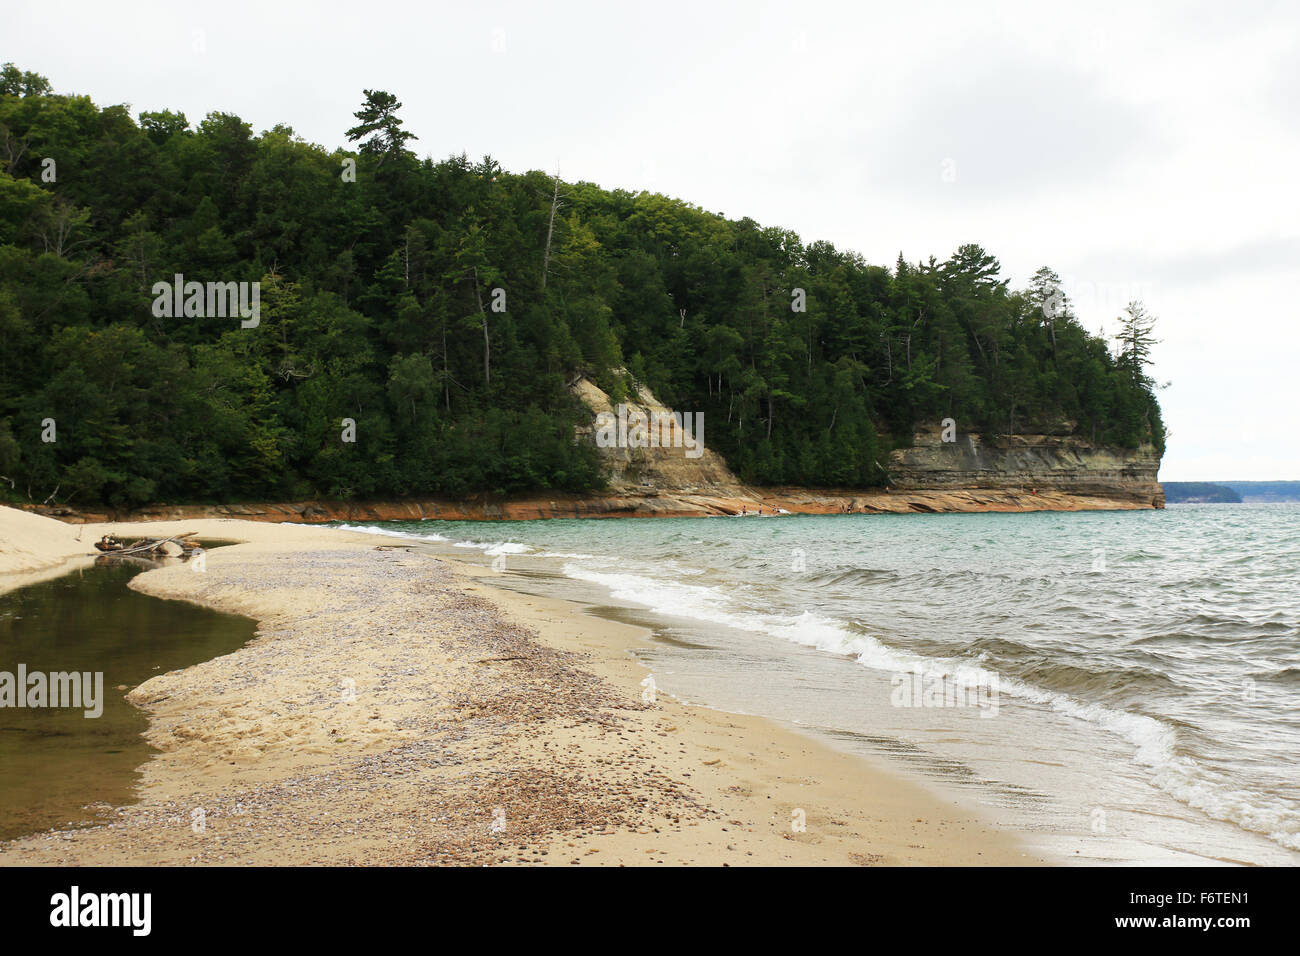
{"x":444,"y":307}
{"x":1199,"y":491}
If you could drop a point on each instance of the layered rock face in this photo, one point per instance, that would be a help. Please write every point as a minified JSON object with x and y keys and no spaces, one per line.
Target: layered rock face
{"x":1024,"y":463}
{"x":676,"y":477}
{"x":1046,"y":465}
{"x":674,"y":463}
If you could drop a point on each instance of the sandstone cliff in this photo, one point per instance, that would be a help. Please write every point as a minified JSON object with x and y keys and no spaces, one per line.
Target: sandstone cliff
{"x":635,"y":470}
{"x":1025,"y":473}
{"x":1062,"y":463}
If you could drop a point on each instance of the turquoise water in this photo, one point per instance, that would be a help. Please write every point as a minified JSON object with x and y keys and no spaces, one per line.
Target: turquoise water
{"x":1123,"y":685}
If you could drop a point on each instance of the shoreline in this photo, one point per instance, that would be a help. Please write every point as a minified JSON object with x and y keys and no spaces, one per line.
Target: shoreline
{"x":13,"y":580}
{"x":632,"y":503}
{"x":34,"y":548}
{"x":487,"y":726}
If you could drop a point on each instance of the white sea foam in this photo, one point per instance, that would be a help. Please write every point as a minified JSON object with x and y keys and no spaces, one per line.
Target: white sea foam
{"x":1153,"y":740}
{"x":495,"y":548}
{"x":507,"y":547}
{"x":392,"y":532}
{"x":916,"y":595}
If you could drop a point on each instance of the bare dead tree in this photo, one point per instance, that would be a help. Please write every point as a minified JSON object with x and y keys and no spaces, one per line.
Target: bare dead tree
{"x":487,"y":342}
{"x":12,"y":148}
{"x":556,"y":203}
{"x":58,"y":224}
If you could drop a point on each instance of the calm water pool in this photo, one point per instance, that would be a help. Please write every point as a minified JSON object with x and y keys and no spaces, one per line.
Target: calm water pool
{"x":54,"y":762}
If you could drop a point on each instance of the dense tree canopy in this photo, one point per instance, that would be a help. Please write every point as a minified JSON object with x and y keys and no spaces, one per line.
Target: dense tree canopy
{"x":443,"y":307}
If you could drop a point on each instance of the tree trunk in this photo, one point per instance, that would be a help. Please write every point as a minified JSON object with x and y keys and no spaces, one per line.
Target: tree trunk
{"x":487,"y":343}
{"x":446,"y":372}
{"x":550,"y":229}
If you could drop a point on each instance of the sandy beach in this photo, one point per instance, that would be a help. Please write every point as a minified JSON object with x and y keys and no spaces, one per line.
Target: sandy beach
{"x":35,"y":548}
{"x":395,"y":709}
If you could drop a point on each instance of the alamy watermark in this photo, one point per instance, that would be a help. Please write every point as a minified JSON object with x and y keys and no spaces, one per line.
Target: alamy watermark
{"x":633,"y":428}
{"x":199,"y":300}
{"x":919,"y":689}
{"x":127,"y":910}
{"x":36,"y":689}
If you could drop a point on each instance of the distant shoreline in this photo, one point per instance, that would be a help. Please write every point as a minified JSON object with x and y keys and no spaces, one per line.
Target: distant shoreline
{"x":632,"y":504}
{"x":1231,"y":492}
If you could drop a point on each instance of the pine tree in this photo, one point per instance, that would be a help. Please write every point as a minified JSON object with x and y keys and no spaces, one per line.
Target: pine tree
{"x":379,"y":117}
{"x":1136,"y":340}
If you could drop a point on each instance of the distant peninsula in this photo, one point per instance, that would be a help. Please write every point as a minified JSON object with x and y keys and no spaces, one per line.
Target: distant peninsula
{"x":1199,"y":492}
{"x":1231,"y":492}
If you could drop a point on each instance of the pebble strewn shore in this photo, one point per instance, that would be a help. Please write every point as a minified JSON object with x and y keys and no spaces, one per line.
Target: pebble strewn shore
{"x":393,"y":719}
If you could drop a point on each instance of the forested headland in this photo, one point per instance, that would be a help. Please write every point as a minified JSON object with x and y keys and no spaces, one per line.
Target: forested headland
{"x":443,"y":308}
{"x":1265,"y":491}
{"x":1178,"y":492}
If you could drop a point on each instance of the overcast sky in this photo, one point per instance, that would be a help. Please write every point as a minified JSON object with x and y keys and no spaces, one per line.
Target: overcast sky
{"x":1141,"y":151}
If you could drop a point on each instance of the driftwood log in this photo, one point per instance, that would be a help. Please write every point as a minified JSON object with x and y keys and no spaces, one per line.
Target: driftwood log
{"x":173,"y":547}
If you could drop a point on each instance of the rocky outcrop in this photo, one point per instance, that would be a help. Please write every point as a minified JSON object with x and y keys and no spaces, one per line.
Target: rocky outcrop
{"x":670,"y":465}
{"x":1044,"y":472}
{"x":646,"y":504}
{"x":1027,"y":463}
{"x":1053,"y":466}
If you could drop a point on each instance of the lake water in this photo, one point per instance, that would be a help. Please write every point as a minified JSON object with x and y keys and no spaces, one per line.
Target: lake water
{"x":1118,"y":686}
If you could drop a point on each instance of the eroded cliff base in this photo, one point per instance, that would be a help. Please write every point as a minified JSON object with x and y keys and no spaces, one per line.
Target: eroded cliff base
{"x":650,"y":504}
{"x":942,"y":471}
